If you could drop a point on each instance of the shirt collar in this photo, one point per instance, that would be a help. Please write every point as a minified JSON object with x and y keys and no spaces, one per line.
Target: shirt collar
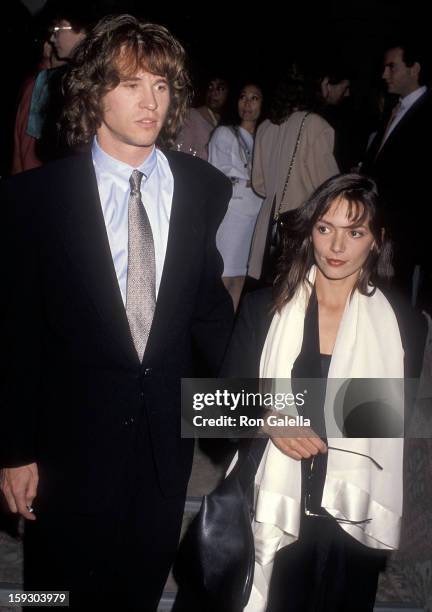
{"x":411,"y":98}
{"x":119,"y":169}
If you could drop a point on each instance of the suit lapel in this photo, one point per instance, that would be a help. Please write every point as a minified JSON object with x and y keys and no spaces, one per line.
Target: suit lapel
{"x":401,"y":126}
{"x":308,"y":362}
{"x":87,"y":244}
{"x":180,"y":258}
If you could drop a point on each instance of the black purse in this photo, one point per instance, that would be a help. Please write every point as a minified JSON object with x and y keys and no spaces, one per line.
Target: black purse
{"x":279,"y":221}
{"x":216,"y":558}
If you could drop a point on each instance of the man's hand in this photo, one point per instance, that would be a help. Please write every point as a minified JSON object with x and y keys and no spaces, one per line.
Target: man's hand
{"x":19,"y":486}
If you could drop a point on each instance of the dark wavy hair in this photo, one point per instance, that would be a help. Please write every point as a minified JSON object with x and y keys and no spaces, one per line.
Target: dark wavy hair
{"x":119,"y":46}
{"x":297,"y":91}
{"x":364,"y":204}
{"x":262,"y":115}
{"x":81,"y":14}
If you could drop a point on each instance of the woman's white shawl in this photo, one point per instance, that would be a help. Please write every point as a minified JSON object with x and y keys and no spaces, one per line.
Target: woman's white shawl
{"x":368,"y":345}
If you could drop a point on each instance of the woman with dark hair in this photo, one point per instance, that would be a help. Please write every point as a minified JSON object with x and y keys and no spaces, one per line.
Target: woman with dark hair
{"x":200,"y":122}
{"x":230,"y":150}
{"x":293,"y":155}
{"x":327,"y":508}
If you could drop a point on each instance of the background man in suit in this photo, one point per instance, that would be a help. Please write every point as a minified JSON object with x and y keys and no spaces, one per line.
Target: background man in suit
{"x":114,"y":292}
{"x":399,"y":160}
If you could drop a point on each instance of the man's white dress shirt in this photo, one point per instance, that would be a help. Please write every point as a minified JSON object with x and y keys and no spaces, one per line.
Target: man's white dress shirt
{"x":404,"y":106}
{"x":157,"y":189}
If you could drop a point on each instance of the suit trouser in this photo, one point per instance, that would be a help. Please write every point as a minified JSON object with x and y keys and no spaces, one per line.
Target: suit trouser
{"x":120,"y":557}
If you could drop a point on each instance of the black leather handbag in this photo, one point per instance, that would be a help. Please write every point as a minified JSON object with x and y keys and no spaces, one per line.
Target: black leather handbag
{"x":216,"y":558}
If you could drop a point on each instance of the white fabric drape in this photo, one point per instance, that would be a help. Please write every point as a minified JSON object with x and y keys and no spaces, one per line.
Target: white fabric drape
{"x":368,"y":345}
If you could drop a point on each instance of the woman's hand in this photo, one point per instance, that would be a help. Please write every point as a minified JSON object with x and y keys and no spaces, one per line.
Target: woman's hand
{"x":296,"y":442}
{"x":299,"y":447}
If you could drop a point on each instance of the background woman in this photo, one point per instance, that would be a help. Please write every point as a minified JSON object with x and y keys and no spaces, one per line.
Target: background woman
{"x":200,"y":122}
{"x":230,"y":150}
{"x":291,"y":113}
{"x":327,"y":509}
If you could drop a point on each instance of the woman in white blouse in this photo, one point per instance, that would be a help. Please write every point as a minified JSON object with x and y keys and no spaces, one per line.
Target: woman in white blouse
{"x":230,"y":150}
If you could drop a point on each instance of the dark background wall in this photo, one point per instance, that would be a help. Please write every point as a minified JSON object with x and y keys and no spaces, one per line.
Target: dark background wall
{"x":233,"y":39}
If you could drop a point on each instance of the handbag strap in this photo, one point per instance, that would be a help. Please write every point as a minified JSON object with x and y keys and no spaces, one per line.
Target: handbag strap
{"x":243,"y":148}
{"x":248,"y":465}
{"x":276,"y":217}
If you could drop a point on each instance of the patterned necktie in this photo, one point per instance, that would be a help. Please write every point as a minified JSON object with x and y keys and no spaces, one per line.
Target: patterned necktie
{"x":141,"y":272}
{"x":392,"y":117}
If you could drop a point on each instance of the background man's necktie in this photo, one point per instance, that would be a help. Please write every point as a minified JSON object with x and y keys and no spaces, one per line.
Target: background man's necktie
{"x":392,"y":117}
{"x":141,"y":273}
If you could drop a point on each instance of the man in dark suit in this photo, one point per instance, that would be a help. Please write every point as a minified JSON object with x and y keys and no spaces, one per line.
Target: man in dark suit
{"x":399,"y":160}
{"x":114,"y":294}
{"x":339,"y":110}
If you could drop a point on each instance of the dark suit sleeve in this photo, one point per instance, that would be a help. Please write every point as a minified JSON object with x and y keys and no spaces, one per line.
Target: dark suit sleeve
{"x":20,"y":327}
{"x":243,"y":356}
{"x":413,"y":330}
{"x":214,"y":313}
